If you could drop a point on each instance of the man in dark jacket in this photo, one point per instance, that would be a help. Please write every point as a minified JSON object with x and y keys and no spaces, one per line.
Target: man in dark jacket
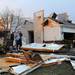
{"x":20,"y":40}
{"x":12,"y":38}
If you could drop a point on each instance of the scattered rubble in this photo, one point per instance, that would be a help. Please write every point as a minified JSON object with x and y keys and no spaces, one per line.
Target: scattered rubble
{"x":27,"y":61}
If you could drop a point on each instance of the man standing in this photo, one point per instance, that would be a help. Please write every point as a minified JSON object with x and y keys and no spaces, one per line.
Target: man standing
{"x":12,"y":38}
{"x":11,"y":41}
{"x":18,"y":39}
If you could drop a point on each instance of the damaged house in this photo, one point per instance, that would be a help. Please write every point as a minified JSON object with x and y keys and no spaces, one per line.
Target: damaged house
{"x":48,"y":29}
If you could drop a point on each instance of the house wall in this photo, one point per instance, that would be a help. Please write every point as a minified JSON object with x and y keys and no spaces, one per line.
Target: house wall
{"x":52,"y":32}
{"x":25,"y":28}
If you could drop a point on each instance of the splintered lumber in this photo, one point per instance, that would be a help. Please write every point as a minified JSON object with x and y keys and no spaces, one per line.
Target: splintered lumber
{"x":4,"y":65}
{"x":25,"y":57}
{"x":52,"y":59}
{"x":56,"y":59}
{"x":17,"y":68}
{"x":16,"y":55}
{"x":16,"y":60}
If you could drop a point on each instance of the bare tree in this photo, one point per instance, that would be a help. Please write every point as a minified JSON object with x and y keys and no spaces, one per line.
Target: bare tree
{"x":7,"y":18}
{"x":10,"y":19}
{"x":19,"y":21}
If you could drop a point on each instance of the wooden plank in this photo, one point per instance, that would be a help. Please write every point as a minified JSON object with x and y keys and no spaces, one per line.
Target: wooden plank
{"x":5,"y":65}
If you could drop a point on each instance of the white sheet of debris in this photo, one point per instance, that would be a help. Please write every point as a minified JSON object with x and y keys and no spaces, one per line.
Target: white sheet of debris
{"x":50,"y":61}
{"x":19,"y":69}
{"x":58,"y":56}
{"x":51,"y":46}
{"x":53,"y":58}
{"x":24,"y":69}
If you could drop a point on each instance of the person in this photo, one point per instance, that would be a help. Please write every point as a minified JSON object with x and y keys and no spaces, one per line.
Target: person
{"x":12,"y":38}
{"x":11,"y":41}
{"x":18,"y":40}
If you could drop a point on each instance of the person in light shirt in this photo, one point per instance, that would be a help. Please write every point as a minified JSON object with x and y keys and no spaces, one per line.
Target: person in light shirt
{"x":18,"y":39}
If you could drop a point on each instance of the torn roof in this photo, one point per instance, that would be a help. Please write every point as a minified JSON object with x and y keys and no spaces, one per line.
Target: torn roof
{"x":62,"y":18}
{"x":68,"y":22}
{"x":45,"y":22}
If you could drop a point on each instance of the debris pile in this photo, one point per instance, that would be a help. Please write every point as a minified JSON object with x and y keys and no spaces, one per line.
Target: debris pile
{"x":27,"y":61}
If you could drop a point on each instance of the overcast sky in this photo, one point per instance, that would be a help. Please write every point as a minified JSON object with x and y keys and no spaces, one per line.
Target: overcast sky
{"x":28,"y":7}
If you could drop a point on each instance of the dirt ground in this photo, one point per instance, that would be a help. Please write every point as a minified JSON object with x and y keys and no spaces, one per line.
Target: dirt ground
{"x":63,"y":69}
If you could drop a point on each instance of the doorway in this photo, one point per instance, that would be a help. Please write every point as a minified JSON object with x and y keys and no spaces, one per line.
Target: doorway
{"x":31,"y":36}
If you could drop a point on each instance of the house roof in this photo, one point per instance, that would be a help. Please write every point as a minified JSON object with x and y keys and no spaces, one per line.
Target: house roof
{"x":45,"y":22}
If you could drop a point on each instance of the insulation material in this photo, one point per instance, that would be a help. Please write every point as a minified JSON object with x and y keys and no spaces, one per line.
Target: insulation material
{"x":38,"y":46}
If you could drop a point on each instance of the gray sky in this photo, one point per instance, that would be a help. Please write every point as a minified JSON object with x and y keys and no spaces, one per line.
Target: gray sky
{"x":28,"y":7}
